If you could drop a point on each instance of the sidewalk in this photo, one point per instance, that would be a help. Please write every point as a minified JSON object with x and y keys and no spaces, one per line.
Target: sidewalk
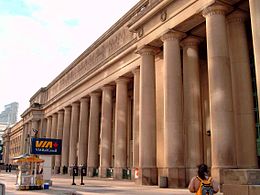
{"x":62,"y":185}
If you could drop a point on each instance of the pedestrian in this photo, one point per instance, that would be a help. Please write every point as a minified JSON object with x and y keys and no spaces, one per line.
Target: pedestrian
{"x":6,"y":167}
{"x":203,"y":183}
{"x":10,"y":167}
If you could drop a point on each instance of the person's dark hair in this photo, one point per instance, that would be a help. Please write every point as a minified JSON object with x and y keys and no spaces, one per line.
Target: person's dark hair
{"x":202,"y":171}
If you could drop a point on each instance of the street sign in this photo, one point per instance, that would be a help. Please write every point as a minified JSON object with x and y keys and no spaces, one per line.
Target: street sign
{"x":46,"y":146}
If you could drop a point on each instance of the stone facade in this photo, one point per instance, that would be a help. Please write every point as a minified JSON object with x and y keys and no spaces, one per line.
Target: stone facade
{"x":168,"y":87}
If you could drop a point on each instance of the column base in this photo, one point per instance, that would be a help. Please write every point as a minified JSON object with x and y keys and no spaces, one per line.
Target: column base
{"x":92,"y":172}
{"x":103,"y":172}
{"x":147,"y":176}
{"x":176,"y":177}
{"x":190,"y":173}
{"x":57,"y":169}
{"x":241,"y":181}
{"x":218,"y":173}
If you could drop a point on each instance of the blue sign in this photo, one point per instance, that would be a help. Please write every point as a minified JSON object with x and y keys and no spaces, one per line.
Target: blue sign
{"x":46,"y":146}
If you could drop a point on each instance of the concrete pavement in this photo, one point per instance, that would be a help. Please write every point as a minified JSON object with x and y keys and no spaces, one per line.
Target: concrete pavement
{"x":62,"y":185}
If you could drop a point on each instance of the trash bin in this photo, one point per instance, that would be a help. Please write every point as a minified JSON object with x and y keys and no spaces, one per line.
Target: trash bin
{"x":163,"y":182}
{"x":109,"y":172}
{"x":46,"y":186}
{"x":95,"y":172}
{"x":126,"y":174}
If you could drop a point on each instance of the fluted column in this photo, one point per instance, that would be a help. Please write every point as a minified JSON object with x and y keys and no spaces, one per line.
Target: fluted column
{"x":147,"y":122}
{"x":120,"y":126}
{"x":74,"y":132}
{"x":255,"y":25}
{"x":173,"y":108}
{"x":136,"y":115}
{"x":66,"y":138}
{"x":106,"y":130}
{"x":59,"y":136}
{"x":49,"y":121}
{"x":83,"y":131}
{"x":27,"y":139}
{"x":242,"y":91}
{"x":220,"y":90}
{"x":192,"y":105}
{"x":93,"y":139}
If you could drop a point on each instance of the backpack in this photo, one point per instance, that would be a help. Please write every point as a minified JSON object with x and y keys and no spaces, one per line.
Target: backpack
{"x":206,"y":187}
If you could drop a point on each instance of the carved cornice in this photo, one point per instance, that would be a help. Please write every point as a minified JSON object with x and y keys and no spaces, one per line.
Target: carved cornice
{"x":215,"y":10}
{"x":147,"y":12}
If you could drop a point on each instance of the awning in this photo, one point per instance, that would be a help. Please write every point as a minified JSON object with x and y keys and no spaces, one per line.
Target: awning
{"x":28,"y":158}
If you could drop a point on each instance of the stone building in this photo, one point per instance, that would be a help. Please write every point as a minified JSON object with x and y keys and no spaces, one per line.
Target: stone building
{"x":172,"y":84}
{"x":12,"y":139}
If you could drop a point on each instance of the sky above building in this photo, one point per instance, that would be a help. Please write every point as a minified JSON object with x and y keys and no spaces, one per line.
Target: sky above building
{"x":40,"y":38}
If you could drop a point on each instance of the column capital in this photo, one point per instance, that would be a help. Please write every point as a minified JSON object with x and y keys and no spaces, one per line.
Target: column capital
{"x":75,"y":104}
{"x":61,"y":111}
{"x":172,"y":35}
{"x":95,"y":94}
{"x":148,"y":50}
{"x":136,"y":70}
{"x":122,"y":79}
{"x":84,"y":99}
{"x":237,"y":16}
{"x":215,"y":10}
{"x":67,"y":108}
{"x":54,"y":114}
{"x":191,"y":41}
{"x":107,"y":87}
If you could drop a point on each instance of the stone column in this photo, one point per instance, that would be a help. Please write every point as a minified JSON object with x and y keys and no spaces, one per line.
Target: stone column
{"x":242,"y":91}
{"x":147,"y":146}
{"x":173,"y":110}
{"x":220,"y":90}
{"x":7,"y":149}
{"x":106,"y":130}
{"x":136,"y":115}
{"x":54,"y":133}
{"x":83,"y":131}
{"x":192,"y":105}
{"x":54,"y":126}
{"x":120,"y":127}
{"x":27,"y":139}
{"x":24,"y":140}
{"x":93,"y":139}
{"x":49,"y":121}
{"x":34,"y":126}
{"x":66,"y":138}
{"x":255,"y":25}
{"x":74,"y":132}
{"x":59,"y":136}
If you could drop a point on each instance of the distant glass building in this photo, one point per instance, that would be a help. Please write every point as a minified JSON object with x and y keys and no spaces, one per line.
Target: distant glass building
{"x":9,"y":115}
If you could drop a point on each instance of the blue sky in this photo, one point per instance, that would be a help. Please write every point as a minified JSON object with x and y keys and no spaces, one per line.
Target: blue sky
{"x":40,"y":38}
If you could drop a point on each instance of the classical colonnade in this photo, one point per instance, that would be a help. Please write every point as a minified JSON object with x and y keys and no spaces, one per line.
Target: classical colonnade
{"x":86,"y":126}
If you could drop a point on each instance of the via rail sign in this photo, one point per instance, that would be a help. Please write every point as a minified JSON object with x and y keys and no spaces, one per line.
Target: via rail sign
{"x":46,"y":146}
